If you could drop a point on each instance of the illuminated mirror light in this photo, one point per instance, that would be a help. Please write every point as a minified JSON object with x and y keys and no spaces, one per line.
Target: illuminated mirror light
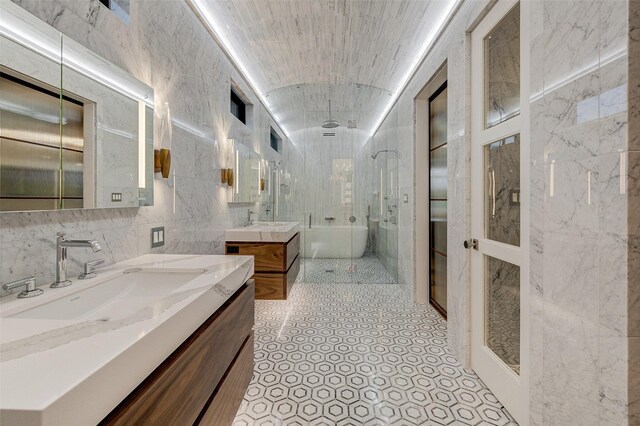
{"x":20,"y":26}
{"x":141,"y":143}
{"x":237,"y":172}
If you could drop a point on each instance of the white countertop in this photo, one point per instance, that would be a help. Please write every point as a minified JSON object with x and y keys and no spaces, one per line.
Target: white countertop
{"x":263,"y":232}
{"x":74,"y":372}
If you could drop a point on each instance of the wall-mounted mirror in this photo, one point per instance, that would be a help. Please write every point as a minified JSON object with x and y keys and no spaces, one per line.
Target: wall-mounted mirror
{"x":75,"y":130}
{"x":247,"y":174}
{"x":267,"y":190}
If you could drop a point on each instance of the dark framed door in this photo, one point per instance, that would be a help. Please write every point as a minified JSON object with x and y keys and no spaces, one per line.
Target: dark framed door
{"x":438,"y":200}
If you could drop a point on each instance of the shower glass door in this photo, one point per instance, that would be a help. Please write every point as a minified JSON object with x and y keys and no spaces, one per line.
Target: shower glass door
{"x":328,"y":199}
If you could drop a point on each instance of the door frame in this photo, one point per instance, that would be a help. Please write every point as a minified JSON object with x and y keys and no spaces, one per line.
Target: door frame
{"x":511,"y":390}
{"x":421,"y":180}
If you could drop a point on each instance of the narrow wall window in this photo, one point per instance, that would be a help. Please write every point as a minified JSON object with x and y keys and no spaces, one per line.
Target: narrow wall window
{"x":238,"y":107}
{"x":120,"y":8}
{"x":438,"y":199}
{"x":276,"y":141}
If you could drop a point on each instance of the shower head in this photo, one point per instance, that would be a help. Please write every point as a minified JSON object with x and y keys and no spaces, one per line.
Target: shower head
{"x":374,"y":156}
{"x":330,"y":123}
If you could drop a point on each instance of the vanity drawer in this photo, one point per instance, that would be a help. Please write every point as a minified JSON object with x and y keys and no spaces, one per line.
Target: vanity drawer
{"x":224,"y":404}
{"x":268,"y":257}
{"x":293,"y":248}
{"x":179,"y":389}
{"x":275,"y":286}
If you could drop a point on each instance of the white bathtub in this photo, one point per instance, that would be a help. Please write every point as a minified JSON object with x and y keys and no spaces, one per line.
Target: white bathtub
{"x":333,"y":241}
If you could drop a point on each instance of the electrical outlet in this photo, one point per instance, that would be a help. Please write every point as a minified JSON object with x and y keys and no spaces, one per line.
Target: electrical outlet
{"x":157,"y":236}
{"x":116,"y":197}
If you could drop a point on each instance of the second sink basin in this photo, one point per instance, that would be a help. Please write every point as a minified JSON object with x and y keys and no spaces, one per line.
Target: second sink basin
{"x":134,"y":289}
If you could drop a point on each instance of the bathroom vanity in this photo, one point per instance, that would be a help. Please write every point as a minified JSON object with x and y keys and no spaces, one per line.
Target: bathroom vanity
{"x":276,"y":249}
{"x":159,"y":339}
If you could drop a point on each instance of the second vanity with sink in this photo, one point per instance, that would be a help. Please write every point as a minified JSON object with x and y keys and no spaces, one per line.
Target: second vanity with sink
{"x":276,"y":248}
{"x":159,"y":339}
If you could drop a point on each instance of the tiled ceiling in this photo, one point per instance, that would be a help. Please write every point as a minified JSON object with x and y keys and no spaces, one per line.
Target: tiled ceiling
{"x":301,"y":53}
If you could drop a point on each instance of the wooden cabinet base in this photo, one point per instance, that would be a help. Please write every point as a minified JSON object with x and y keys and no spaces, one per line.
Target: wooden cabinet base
{"x":224,"y":404}
{"x":270,"y":286}
{"x":185,"y":386}
{"x":276,"y":265}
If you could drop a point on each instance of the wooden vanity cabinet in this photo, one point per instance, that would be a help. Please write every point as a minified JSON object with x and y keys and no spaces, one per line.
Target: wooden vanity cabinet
{"x":276,"y":265}
{"x":204,"y":380}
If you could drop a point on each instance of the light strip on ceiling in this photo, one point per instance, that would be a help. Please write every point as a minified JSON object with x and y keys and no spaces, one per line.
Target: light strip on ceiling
{"x":450,"y":9}
{"x":218,"y":33}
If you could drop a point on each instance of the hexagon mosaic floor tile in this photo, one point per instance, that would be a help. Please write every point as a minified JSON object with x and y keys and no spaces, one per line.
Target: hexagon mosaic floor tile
{"x":364,"y":270}
{"x":354,"y":354}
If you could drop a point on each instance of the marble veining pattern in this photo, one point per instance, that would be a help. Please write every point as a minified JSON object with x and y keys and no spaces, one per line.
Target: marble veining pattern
{"x":354,"y":354}
{"x":167,"y":48}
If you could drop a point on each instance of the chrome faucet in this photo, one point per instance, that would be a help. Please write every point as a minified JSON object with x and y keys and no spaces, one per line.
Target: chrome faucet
{"x":61,"y":257}
{"x":249,"y":213}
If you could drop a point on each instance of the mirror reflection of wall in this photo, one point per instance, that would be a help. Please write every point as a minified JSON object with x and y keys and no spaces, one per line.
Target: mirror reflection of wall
{"x":76,"y":131}
{"x":31,"y":148}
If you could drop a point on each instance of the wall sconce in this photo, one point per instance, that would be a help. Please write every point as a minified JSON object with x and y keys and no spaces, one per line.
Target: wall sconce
{"x":261,"y":184}
{"x":162,"y":161}
{"x":230,"y":177}
{"x":226,"y":176}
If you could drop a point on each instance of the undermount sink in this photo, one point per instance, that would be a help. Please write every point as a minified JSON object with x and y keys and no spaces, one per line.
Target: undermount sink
{"x":133,"y":290}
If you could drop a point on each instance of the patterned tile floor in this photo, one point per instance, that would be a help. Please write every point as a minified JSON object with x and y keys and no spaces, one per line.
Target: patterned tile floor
{"x":364,"y":270}
{"x":353,"y":354}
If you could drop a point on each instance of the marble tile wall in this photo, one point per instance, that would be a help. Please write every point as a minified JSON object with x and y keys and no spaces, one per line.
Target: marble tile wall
{"x":584,"y":239}
{"x":166,"y":47}
{"x":633,"y":217}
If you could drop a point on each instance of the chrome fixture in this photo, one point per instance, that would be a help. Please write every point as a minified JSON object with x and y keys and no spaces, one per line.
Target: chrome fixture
{"x":309,"y":220}
{"x":330,"y":123}
{"x":30,"y":287}
{"x":89,"y":270}
{"x":473,"y":243}
{"x":330,"y":219}
{"x":249,"y":213}
{"x":383,"y":150}
{"x":61,"y":257}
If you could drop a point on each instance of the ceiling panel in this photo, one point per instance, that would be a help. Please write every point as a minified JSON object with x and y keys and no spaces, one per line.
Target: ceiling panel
{"x":301,"y":53}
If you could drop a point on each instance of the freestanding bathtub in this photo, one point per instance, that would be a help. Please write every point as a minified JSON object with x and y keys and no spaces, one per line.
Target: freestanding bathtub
{"x":333,"y":241}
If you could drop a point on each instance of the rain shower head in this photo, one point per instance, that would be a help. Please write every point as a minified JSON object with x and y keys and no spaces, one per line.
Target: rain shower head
{"x":330,"y":123}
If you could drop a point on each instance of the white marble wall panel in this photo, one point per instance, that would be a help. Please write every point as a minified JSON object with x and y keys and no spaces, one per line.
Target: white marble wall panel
{"x":584,"y":238}
{"x":166,"y":47}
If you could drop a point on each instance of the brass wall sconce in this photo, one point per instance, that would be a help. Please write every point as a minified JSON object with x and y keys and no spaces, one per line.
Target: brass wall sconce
{"x":262,"y":184}
{"x":226,"y":176}
{"x":162,"y":161}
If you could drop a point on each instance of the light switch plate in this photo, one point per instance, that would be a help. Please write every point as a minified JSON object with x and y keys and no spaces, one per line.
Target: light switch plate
{"x":157,"y":236}
{"x":116,"y":197}
{"x":405,"y":198}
